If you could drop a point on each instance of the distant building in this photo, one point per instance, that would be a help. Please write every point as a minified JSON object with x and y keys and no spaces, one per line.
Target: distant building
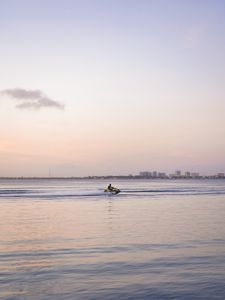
{"x":145,"y":174}
{"x":195,"y":175}
{"x":220,"y":175}
{"x":154,"y":174}
{"x":162,"y":175}
{"x":187,"y":174}
{"x":178,"y":173}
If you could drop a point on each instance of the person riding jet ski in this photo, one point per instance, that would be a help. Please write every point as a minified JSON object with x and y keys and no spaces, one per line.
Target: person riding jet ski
{"x":112,"y":189}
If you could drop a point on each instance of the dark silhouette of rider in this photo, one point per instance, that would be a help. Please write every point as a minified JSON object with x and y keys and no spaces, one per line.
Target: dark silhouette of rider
{"x":110,"y":188}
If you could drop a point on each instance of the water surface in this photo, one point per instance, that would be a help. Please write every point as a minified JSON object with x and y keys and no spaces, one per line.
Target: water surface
{"x":67,"y":239}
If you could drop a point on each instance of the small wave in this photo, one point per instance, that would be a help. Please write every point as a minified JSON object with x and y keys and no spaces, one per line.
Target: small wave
{"x":176,"y":191}
{"x":52,"y":193}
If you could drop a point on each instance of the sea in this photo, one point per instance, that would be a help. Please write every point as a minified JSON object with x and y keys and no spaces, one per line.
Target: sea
{"x":66,"y":239}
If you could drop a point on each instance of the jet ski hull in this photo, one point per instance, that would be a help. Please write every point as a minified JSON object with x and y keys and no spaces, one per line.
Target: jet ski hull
{"x":112,"y":191}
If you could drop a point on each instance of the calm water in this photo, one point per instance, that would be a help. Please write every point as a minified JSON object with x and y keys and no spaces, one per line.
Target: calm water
{"x":66,"y":239}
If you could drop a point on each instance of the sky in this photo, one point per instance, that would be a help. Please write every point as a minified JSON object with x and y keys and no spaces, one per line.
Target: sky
{"x":111,"y":87}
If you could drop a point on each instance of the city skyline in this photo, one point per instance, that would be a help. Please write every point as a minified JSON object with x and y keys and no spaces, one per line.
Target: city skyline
{"x":142,"y":174}
{"x":180,"y":174}
{"x":99,"y":87}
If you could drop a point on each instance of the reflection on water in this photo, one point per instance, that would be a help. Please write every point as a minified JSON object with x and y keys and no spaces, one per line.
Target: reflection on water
{"x":165,"y":247}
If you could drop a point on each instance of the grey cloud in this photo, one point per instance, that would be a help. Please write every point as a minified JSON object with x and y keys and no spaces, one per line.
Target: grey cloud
{"x":35,"y":99}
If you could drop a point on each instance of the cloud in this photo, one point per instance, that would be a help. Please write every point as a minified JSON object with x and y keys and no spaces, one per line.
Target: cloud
{"x":35,"y":99}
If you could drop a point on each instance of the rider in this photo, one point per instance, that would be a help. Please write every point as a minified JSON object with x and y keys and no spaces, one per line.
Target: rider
{"x":110,"y":188}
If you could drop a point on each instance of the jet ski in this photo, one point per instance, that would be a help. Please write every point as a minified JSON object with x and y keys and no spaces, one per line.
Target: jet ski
{"x":112,"y":190}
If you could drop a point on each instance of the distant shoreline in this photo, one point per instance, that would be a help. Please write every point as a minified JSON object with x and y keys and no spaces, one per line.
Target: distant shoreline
{"x":130,"y":177}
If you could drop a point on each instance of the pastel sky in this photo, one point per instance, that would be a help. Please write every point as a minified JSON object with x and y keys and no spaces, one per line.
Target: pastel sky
{"x":96,"y":87}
